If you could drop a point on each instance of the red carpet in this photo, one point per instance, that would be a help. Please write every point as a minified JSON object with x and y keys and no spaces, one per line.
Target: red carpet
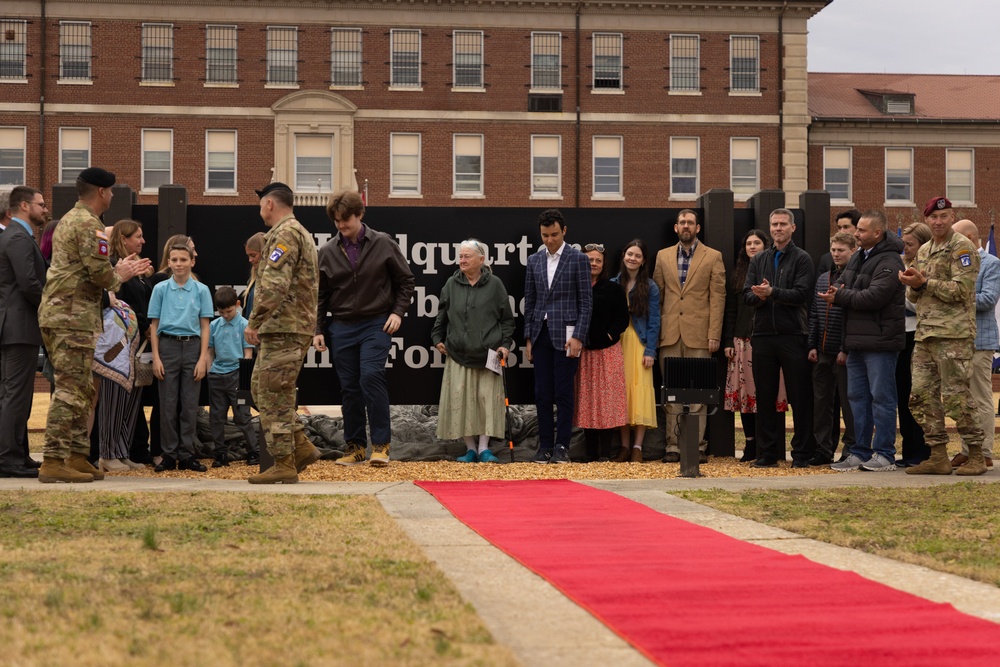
{"x":685,"y":595}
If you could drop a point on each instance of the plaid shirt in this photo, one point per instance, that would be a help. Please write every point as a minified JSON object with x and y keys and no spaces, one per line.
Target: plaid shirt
{"x":684,"y":261}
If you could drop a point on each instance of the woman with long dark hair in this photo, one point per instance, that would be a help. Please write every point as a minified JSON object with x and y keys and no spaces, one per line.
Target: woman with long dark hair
{"x":737,"y":327}
{"x":638,"y":347}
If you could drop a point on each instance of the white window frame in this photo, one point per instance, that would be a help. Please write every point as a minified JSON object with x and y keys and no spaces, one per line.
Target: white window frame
{"x":733,"y":40}
{"x":479,"y":190}
{"x":676,"y":87}
{"x":394,"y":76}
{"x":208,"y":163}
{"x":676,"y":194}
{"x":12,"y":131}
{"x":170,"y":171}
{"x":457,"y":35}
{"x":898,"y":202}
{"x":394,"y":187}
{"x":615,"y":38}
{"x":218,"y":38}
{"x":536,"y":73}
{"x":274,"y":46}
{"x":949,"y":171}
{"x":535,"y":176}
{"x":619,"y":193}
{"x":16,"y":61}
{"x":302,"y":187}
{"x":69,"y":33}
{"x":166,"y":59}
{"x":742,"y":194}
{"x":347,"y":65}
{"x":63,"y":177}
{"x":850,"y":173}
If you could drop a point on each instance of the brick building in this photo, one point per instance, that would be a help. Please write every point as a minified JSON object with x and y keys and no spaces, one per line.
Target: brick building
{"x":610,"y":103}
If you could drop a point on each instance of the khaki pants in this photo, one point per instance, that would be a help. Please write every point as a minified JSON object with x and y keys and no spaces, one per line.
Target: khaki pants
{"x":981,"y":388}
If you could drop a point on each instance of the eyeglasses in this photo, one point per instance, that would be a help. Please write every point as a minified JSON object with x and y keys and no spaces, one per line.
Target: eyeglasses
{"x":599,"y":247}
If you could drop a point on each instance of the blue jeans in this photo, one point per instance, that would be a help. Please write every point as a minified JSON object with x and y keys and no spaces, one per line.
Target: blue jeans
{"x":554,"y":375}
{"x":360,"y":350}
{"x":871,"y":389}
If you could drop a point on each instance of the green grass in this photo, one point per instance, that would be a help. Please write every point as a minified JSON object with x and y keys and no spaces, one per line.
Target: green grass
{"x":953,"y":527}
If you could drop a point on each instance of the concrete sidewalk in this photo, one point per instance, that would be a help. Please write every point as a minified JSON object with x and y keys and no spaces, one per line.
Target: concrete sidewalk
{"x":542,"y":626}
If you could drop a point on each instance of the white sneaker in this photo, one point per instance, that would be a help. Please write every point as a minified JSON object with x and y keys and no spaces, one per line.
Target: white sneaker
{"x":879,"y":463}
{"x":852,"y":462}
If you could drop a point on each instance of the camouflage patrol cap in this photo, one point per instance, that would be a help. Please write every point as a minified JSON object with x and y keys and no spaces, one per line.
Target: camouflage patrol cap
{"x":97,"y":176}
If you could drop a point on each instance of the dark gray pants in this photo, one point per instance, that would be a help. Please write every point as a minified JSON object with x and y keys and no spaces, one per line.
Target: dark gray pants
{"x":17,"y":375}
{"x":830,"y":379}
{"x":179,"y":396}
{"x":222,"y":389}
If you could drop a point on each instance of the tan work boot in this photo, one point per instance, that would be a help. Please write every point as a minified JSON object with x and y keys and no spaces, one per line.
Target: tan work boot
{"x":937,"y":464}
{"x":380,"y":456}
{"x":976,"y":465}
{"x":354,"y":455}
{"x":282,"y":472}
{"x":55,"y":471}
{"x":305,"y":452}
{"x":79,"y":462}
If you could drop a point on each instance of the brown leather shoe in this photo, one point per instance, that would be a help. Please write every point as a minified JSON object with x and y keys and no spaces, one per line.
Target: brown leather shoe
{"x":623,"y":454}
{"x":989,"y":461}
{"x":636,"y":455}
{"x":958,"y":460}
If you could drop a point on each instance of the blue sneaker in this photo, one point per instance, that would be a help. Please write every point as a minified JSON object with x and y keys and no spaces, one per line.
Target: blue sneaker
{"x":468,"y":457}
{"x":488,"y":457}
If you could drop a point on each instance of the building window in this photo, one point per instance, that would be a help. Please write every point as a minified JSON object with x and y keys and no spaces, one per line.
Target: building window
{"x":157,"y":159}
{"x":158,"y":52}
{"x":546,"y":61}
{"x":313,"y":163}
{"x":468,"y":164}
{"x":405,"y":178}
{"x":683,"y":167}
{"x":685,"y":63}
{"x":220,"y":161}
{"x":468,"y":59}
{"x":607,"y":166}
{"x":74,"y":152}
{"x":744,"y":64}
{"x":959,"y":186}
{"x":546,"y":177}
{"x":405,"y":58}
{"x":837,"y":173}
{"x":282,"y":55}
{"x":12,"y":141}
{"x":74,"y":50}
{"x":345,"y":57}
{"x":607,"y":61}
{"x":220,"y":54}
{"x":743,"y":165}
{"x":899,"y":175}
{"x":13,"y":37}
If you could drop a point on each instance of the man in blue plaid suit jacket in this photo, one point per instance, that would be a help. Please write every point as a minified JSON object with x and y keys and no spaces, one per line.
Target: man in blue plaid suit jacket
{"x":557,"y":306}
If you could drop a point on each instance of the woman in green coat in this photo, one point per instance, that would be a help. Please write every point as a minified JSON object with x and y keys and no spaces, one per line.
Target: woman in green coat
{"x":474,"y":316}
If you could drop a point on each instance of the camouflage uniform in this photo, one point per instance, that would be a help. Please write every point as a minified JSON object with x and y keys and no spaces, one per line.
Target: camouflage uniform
{"x":945,"y":336}
{"x":70,"y":320}
{"x":284,"y":314}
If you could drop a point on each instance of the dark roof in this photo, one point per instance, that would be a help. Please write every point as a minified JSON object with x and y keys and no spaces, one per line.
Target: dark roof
{"x":937,"y":97}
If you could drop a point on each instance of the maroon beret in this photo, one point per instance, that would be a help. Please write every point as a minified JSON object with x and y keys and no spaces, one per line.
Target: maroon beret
{"x":936,"y":204}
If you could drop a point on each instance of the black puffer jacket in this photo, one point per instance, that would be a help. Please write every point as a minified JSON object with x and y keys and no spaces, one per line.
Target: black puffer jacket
{"x":872,"y":298}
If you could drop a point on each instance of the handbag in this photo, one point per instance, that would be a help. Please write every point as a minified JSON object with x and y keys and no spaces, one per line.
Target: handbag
{"x":143,"y":366}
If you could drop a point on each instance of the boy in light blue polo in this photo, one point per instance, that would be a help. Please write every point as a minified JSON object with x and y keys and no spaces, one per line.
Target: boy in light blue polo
{"x":179,"y":313}
{"x":227,"y":346}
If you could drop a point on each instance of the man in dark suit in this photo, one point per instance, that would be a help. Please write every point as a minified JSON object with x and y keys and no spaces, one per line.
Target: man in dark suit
{"x":558,"y":303}
{"x":22,"y":276}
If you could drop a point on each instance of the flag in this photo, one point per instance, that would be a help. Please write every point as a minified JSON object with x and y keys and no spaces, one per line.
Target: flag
{"x":364,"y":194}
{"x":991,"y":244}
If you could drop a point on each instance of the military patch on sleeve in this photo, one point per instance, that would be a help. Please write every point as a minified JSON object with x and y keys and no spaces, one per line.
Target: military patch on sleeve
{"x":278,"y":252}
{"x":102,"y":243}
{"x":965,"y":259}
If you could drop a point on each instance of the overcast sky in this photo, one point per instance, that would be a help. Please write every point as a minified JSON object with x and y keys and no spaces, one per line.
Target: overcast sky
{"x":906,"y":37}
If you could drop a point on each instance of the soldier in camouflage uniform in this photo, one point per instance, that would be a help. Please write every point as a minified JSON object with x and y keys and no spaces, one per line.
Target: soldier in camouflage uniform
{"x":282,"y":323}
{"x":942,"y":284}
{"x":70,"y":319}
